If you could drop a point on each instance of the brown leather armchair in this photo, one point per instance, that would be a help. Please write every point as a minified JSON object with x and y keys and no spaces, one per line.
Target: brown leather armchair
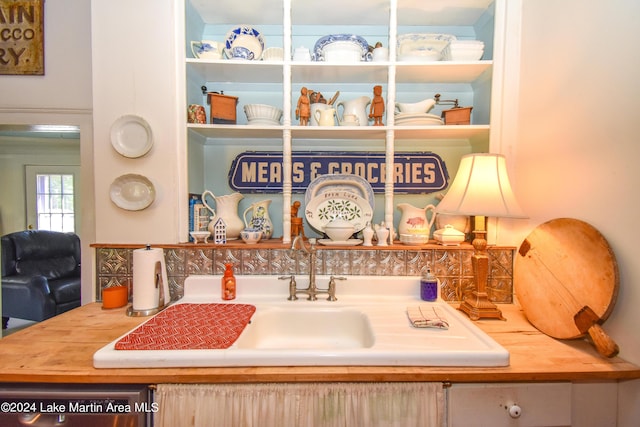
{"x":40,"y":274}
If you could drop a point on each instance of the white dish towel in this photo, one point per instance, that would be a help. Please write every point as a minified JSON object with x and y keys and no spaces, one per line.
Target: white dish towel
{"x":427,"y":316}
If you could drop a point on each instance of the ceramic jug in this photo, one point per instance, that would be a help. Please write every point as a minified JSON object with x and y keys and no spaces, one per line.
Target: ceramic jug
{"x":227,"y":209}
{"x":357,"y":107}
{"x":259,"y":218}
{"x":326,"y":117}
{"x":415,"y":220}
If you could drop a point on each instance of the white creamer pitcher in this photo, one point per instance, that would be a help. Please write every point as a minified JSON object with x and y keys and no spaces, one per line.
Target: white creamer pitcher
{"x":357,"y":107}
{"x":326,"y":117}
{"x":227,"y":209}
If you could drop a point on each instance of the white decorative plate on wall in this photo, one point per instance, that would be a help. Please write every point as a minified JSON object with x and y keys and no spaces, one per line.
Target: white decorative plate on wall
{"x":131,"y":136}
{"x":132,"y":192}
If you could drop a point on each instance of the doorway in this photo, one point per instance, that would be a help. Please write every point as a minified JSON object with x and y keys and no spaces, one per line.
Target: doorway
{"x":53,"y":197}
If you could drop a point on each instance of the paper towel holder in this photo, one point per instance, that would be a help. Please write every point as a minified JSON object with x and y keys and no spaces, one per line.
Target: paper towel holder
{"x":163,"y":302}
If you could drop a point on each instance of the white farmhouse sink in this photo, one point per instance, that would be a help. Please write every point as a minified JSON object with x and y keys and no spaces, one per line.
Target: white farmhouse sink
{"x":299,"y":328}
{"x":368,"y":325}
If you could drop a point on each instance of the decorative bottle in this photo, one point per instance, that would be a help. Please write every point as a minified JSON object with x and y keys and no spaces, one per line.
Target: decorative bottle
{"x":228,"y":283}
{"x":367,"y":235}
{"x":429,"y":286}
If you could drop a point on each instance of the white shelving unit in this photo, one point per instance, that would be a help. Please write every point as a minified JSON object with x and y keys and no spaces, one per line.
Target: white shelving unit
{"x":292,"y":23}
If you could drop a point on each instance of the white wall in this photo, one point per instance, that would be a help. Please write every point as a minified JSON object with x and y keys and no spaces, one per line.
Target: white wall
{"x":63,"y":97}
{"x":135,"y":60}
{"x":66,"y":83}
{"x":578,"y":145}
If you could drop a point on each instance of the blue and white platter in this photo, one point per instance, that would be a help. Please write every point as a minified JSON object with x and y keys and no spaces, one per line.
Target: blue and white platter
{"x":318,"y":49}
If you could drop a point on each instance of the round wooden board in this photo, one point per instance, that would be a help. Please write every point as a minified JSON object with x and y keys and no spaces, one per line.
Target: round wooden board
{"x":562,"y":266}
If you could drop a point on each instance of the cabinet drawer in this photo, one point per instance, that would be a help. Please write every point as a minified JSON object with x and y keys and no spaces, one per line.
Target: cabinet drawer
{"x":546,"y":404}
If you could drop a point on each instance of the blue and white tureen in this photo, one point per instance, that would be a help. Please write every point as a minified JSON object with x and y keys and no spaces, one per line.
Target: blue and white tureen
{"x":341,"y":48}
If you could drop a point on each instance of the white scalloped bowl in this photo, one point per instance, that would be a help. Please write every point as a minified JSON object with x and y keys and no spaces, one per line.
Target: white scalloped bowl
{"x":262,"y":112}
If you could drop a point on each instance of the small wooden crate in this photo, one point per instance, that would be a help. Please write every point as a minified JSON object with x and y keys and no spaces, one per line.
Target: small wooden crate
{"x":223,"y":108}
{"x":457,"y":116}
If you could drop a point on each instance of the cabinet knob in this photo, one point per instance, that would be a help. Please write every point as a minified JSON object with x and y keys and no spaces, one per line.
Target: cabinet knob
{"x":515,"y":411}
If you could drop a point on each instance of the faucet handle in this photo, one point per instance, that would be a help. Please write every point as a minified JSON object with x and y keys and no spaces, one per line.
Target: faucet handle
{"x":332,"y":287}
{"x":293,"y":286}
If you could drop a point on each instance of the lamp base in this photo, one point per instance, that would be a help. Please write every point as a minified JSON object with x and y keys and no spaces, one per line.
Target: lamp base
{"x":478,"y":306}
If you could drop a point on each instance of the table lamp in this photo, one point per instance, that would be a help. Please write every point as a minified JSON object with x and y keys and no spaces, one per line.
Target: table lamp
{"x":481,"y":188}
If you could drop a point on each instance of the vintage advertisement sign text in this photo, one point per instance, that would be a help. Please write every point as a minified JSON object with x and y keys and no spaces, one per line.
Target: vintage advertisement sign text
{"x":22,"y":37}
{"x":415,"y":172}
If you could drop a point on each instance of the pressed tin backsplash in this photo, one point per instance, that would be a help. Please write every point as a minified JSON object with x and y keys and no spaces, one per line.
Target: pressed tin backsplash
{"x":451,"y":265}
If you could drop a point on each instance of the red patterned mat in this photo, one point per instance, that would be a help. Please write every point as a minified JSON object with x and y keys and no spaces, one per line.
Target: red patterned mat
{"x":190,"y":327}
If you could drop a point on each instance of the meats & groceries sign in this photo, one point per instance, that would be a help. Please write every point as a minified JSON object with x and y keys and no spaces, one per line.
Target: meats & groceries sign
{"x":262,"y":172}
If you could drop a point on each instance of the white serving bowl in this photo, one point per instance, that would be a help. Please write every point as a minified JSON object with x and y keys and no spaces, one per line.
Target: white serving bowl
{"x":464,"y":50}
{"x":262,"y":112}
{"x":339,"y":230}
{"x":421,"y":55}
{"x":414,"y":239}
{"x":251,"y":236}
{"x":464,"y":54}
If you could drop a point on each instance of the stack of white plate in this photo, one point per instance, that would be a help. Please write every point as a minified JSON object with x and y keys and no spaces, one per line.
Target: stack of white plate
{"x":417,"y":119}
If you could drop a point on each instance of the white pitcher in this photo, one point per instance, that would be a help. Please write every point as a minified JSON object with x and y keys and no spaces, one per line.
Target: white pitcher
{"x":326,"y":117}
{"x":227,"y":210}
{"x":357,"y":107}
{"x":414,"y":220}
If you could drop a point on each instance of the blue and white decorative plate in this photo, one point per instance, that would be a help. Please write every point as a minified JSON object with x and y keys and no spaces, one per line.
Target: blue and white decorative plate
{"x":246,"y":37}
{"x":318,"y":54}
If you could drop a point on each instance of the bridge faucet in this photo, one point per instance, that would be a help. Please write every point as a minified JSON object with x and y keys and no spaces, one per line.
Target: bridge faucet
{"x":298,"y":244}
{"x":312,"y":290}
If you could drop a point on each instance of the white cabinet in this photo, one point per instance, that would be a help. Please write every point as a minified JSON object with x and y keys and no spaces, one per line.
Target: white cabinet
{"x":509,"y":405}
{"x":293,"y":23}
{"x":532,"y":404}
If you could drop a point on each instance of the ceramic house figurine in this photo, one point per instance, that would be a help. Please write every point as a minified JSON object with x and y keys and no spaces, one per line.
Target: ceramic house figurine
{"x":220,"y":232}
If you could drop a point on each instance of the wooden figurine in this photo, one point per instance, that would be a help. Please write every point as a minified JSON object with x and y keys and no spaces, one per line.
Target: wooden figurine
{"x":296,"y":223}
{"x":303,"y":110}
{"x":376,"y":110}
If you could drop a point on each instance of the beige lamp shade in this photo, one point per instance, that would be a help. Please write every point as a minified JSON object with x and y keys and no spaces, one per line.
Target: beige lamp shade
{"x":481,"y":187}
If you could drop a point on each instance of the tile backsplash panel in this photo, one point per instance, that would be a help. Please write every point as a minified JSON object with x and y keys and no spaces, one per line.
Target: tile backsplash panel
{"x":451,"y":266}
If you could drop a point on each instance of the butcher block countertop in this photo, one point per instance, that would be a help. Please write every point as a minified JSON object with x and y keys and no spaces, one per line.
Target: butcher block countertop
{"x":60,"y":350}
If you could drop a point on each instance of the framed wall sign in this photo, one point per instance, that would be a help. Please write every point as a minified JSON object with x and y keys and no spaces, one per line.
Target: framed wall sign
{"x":21,"y":37}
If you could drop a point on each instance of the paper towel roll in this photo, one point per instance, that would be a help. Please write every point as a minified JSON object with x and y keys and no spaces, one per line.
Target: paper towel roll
{"x":147,"y":281}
